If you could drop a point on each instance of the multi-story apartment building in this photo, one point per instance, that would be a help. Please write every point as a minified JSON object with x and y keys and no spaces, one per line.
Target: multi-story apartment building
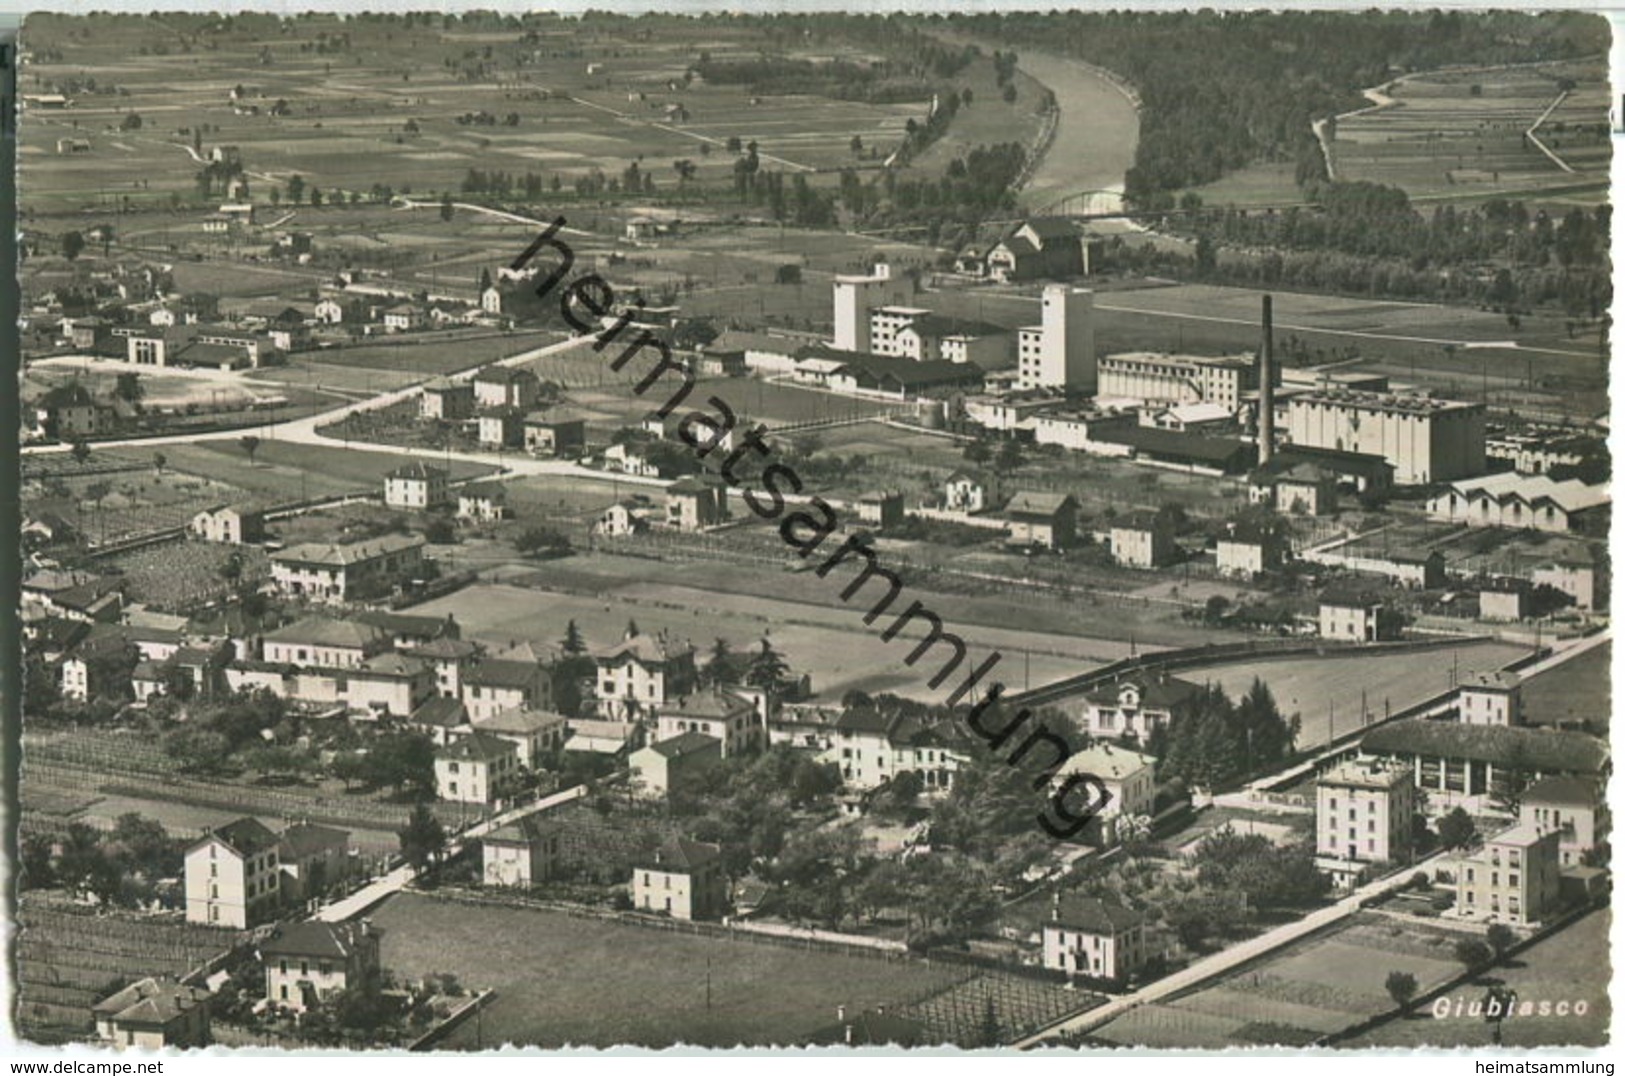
{"x":1364,"y":813}
{"x":1513,"y":878}
{"x":415,"y":486}
{"x":1490,"y":699}
{"x":475,"y":768}
{"x":233,"y":876}
{"x":1575,"y":808}
{"x":642,"y":674}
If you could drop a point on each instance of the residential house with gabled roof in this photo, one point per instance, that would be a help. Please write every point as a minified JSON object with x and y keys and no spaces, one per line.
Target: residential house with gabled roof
{"x":311,"y":962}
{"x":507,"y":387}
{"x":1300,"y":487}
{"x":450,"y":659}
{"x":324,"y":642}
{"x":1513,"y":877}
{"x":475,"y":768}
{"x":970,"y":492}
{"x":497,"y":684}
{"x":74,"y":594}
{"x":1094,"y":938}
{"x":349,"y":571}
{"x":234,"y":524}
{"x":68,"y":412}
{"x":441,"y":718}
{"x":1136,"y":706}
{"x":625,"y":517}
{"x":535,"y":733}
{"x":154,"y":1014}
{"x":482,"y":502}
{"x":695,"y":502}
{"x":674,"y":765}
{"x":1143,"y":540}
{"x":446,"y":400}
{"x":416,"y":486}
{"x":403,"y":317}
{"x":1249,"y":549}
{"x":315,"y":860}
{"x":641,"y":674}
{"x":717,"y":711}
{"x":521,"y":853}
{"x":1576,"y":808}
{"x":1351,"y":613}
{"x":233,"y":876}
{"x":682,"y":879}
{"x":1036,"y":520}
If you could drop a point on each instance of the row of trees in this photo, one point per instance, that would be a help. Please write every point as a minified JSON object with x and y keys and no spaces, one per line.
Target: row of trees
{"x":118,"y":867}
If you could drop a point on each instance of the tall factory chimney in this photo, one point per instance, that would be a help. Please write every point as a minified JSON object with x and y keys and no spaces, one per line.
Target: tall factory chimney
{"x":1266,"y":387}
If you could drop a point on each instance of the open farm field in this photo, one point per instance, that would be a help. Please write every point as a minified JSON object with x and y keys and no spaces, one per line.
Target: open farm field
{"x":1326,"y":691}
{"x":1453,"y":133}
{"x":283,"y":471}
{"x":1571,"y":965}
{"x":1576,"y":690}
{"x":559,"y":981}
{"x":68,"y":958}
{"x":1316,"y":986}
{"x":381,"y":108}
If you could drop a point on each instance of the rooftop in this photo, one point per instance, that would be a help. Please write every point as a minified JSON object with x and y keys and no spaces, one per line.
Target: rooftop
{"x":305,"y":839}
{"x":1564,"y":792}
{"x":519,"y":721}
{"x":1368,"y":773}
{"x":681,"y":854}
{"x":477,"y":747}
{"x":686,"y":743}
{"x":1093,"y":915}
{"x":245,"y":836}
{"x":346,"y":554}
{"x":1550,"y":751}
{"x":328,"y":631}
{"x":317,"y":939}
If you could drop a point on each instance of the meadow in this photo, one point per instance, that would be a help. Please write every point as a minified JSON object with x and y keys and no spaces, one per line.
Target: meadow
{"x":563,"y":980}
{"x":1327,"y":691}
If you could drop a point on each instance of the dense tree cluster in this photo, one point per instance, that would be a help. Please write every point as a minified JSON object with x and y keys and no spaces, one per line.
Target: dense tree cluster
{"x":118,"y":867}
{"x":1216,"y":741}
{"x":1268,"y":875}
{"x":1221,"y":90}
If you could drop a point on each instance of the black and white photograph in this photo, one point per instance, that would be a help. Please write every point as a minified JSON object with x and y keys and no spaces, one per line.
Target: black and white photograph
{"x":1008,"y":530}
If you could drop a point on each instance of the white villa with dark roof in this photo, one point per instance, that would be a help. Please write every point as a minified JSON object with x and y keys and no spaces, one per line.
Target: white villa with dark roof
{"x":498,"y":684}
{"x":1094,"y":938}
{"x":641,"y":674}
{"x":1136,"y":706}
{"x":521,"y":853}
{"x":415,"y":485}
{"x":308,"y":963}
{"x":475,"y":768}
{"x":682,"y":879}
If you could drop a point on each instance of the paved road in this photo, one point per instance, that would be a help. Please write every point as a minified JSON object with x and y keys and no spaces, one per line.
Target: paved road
{"x":1223,"y":961}
{"x":393,"y":882}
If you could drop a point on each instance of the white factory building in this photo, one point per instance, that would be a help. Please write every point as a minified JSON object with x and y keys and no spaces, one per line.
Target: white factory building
{"x":857,"y":297}
{"x":1426,"y":439}
{"x":1152,"y":378}
{"x":1059,"y":352}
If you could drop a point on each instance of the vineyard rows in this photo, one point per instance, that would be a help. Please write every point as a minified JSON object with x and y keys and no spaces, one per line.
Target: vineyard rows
{"x":1020,"y":1005}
